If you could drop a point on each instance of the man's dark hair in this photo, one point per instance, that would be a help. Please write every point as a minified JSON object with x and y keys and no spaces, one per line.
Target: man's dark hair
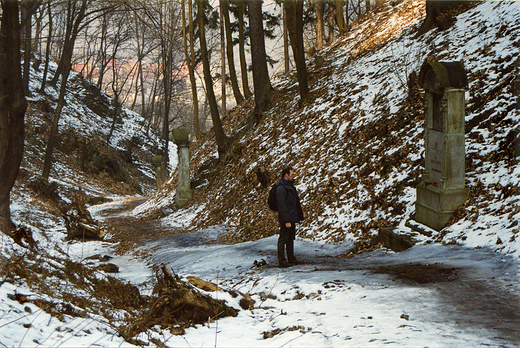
{"x":286,"y":171}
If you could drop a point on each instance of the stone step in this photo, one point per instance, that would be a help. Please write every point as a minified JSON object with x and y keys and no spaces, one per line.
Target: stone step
{"x":399,"y":239}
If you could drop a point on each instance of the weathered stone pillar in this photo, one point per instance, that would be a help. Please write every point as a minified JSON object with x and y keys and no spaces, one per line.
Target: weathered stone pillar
{"x":184,"y":191}
{"x":442,"y":188}
{"x":160,"y":170}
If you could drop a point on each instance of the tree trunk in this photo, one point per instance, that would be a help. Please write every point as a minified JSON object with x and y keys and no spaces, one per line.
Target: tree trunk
{"x":217,"y":123}
{"x":102,"y":54}
{"x":259,"y":57}
{"x":12,"y":108}
{"x":47,"y":49}
{"x":339,"y":17}
{"x":331,"y":27}
{"x":167,"y":100}
{"x":241,"y":48}
{"x":320,"y":29}
{"x":27,"y":45}
{"x":438,"y":16}
{"x":68,"y":35}
{"x":47,"y":163}
{"x":140,"y":55}
{"x":295,"y":26}
{"x":190,"y":63}
{"x":239,"y":98}
{"x":38,"y":32}
{"x":347,"y":14}
{"x":223,"y":63}
{"x":285,"y":41}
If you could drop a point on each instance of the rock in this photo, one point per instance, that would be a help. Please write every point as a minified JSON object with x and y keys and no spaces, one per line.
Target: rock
{"x":203,"y":285}
{"x":262,"y":176}
{"x":108,"y":268}
{"x":177,"y":331}
{"x":319,"y":60}
{"x":260,"y":263}
{"x":105,"y":258}
{"x":405,"y":316}
{"x":246,"y":303}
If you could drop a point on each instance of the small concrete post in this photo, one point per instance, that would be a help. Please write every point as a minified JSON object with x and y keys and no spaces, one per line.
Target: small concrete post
{"x":183,"y":191}
{"x":442,"y":188}
{"x":160,"y":170}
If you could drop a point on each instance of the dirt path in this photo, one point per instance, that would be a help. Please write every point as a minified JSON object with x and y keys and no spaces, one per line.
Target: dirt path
{"x":127,"y":231}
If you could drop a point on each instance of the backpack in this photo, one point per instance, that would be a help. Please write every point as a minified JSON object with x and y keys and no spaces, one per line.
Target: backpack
{"x":271,"y":200}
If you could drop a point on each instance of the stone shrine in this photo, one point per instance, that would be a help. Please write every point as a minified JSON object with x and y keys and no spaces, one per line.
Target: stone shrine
{"x":442,"y":188}
{"x":183,"y":191}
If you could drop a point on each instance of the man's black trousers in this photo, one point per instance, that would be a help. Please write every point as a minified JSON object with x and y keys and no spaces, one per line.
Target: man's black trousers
{"x":286,"y":241}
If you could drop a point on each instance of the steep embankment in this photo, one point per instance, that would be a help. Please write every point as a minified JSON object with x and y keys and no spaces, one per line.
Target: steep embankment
{"x":358,"y":142}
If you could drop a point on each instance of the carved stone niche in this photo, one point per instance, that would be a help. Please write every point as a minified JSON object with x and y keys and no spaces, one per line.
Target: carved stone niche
{"x":442,"y":188}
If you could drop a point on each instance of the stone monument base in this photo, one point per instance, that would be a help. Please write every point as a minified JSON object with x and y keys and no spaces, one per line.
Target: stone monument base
{"x":434,"y":206}
{"x":182,"y":196}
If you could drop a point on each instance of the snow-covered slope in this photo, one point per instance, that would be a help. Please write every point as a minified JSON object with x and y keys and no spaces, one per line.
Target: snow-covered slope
{"x":83,"y":157}
{"x":358,"y":142}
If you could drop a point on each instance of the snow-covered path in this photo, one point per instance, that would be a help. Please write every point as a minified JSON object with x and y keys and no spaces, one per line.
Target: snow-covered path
{"x":429,"y":295}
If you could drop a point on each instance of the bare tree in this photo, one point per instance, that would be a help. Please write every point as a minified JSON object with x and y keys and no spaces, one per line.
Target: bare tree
{"x":340,"y":19}
{"x":28,"y":10}
{"x":12,"y":108}
{"x":221,"y":137}
{"x":438,"y":14}
{"x":295,"y":26}
{"x":259,"y":57}
{"x":75,"y":22}
{"x":229,"y":51}
{"x":223,"y":105}
{"x":285,"y":41}
{"x":320,"y":28}
{"x":241,"y":48}
{"x":121,"y":78}
{"x":190,"y":63}
{"x":75,"y":17}
{"x":47,"y":47}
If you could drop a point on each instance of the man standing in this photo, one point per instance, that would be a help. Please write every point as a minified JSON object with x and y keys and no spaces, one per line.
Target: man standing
{"x":289,"y":214}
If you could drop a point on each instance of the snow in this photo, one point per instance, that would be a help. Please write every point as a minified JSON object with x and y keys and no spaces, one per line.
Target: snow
{"x":328,"y":300}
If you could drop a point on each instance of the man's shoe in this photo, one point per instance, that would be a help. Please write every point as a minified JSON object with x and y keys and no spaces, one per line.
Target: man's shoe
{"x":283,"y":264}
{"x":294,"y":262}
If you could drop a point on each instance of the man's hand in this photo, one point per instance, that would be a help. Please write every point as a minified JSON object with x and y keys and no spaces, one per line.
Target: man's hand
{"x":288,"y":224}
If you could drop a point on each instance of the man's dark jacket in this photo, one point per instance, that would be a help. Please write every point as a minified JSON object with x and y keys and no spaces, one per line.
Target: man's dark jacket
{"x":289,"y":207}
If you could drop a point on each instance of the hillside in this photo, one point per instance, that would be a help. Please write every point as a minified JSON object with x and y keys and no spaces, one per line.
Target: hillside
{"x":358,"y":143}
{"x":84,"y":158}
